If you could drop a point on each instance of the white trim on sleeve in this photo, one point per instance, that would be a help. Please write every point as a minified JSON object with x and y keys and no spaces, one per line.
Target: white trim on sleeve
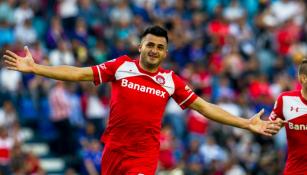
{"x":186,"y":99}
{"x":100,"y":80}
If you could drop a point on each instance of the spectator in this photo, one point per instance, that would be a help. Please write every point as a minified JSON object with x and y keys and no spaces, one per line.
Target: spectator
{"x":60,"y":112}
{"x":8,"y":115}
{"x":7,"y":11}
{"x":23,"y":12}
{"x":25,"y":33}
{"x":55,"y":33}
{"x":94,"y":109}
{"x":62,"y":55}
{"x":7,"y":35}
{"x":6,"y":146}
{"x":92,"y":157}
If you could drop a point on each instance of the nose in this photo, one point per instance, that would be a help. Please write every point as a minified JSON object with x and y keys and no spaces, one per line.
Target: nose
{"x":154,"y":50}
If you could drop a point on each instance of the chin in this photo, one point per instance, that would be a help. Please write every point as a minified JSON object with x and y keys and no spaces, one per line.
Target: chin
{"x":152,"y":61}
{"x":153,"y":64}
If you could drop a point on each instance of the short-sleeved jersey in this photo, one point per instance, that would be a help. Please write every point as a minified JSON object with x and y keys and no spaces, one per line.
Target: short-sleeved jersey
{"x":291,"y":106}
{"x":138,"y":101}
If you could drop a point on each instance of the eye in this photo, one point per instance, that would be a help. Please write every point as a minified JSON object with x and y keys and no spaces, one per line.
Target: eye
{"x":160,"y":47}
{"x":150,"y":45}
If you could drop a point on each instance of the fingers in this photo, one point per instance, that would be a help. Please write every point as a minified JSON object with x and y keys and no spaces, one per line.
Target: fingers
{"x":267,"y":134}
{"x":272,"y":130}
{"x":8,"y":58}
{"x":10,"y":61}
{"x":10,"y":64}
{"x":274,"y":125}
{"x":28,"y":53}
{"x":259,"y":114}
{"x":12,"y":54}
{"x":278,"y":120}
{"x":12,"y":68}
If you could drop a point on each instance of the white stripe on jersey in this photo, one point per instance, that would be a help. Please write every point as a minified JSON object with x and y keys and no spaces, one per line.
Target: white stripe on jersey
{"x":186,"y":99}
{"x":293,"y":107}
{"x":100,"y":80}
{"x":129,"y":69}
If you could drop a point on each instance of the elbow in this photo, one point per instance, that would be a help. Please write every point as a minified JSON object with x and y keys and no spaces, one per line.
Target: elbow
{"x":83,"y":75}
{"x":201,"y":106}
{"x":79,"y":77}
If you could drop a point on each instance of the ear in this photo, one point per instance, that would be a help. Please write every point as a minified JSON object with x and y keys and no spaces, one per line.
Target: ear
{"x":140,"y":46}
{"x":299,"y":77}
{"x":302,"y":79}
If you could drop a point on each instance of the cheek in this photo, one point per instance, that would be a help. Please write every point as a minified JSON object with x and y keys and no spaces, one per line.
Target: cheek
{"x":163,"y":54}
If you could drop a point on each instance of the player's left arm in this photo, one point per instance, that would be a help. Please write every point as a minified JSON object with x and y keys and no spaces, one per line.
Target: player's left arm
{"x":277,"y":112}
{"x":254,"y":124}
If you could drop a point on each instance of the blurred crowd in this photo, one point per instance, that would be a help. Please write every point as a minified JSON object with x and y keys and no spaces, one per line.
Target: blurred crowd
{"x":239,"y":54}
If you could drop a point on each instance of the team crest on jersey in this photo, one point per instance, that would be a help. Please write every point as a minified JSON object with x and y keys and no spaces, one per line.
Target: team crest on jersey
{"x":273,"y":116}
{"x":103,"y":66}
{"x":160,"y":79}
{"x":187,"y":88}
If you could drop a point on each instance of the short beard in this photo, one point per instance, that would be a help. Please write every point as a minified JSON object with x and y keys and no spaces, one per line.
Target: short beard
{"x":148,"y":65}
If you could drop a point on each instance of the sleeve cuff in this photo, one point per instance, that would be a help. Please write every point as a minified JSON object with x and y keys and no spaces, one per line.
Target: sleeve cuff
{"x":190,"y":99}
{"x":95,"y":75}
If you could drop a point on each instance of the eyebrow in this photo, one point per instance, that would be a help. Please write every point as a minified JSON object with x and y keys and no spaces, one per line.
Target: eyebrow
{"x":152,"y":43}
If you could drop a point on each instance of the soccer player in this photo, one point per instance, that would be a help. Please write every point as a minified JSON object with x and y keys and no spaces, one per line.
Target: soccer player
{"x":291,"y":106}
{"x":140,"y":92}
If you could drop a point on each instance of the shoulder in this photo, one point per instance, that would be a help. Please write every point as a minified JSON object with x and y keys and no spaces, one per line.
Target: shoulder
{"x":116,"y":62}
{"x":122,"y":58}
{"x":290,"y":93}
{"x":165,"y":71}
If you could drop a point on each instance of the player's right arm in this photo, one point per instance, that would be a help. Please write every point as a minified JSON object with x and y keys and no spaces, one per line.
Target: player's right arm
{"x":66,"y":73}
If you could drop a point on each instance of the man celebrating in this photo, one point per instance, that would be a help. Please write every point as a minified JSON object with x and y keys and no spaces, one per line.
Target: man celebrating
{"x":140,"y":92}
{"x":292,"y":107}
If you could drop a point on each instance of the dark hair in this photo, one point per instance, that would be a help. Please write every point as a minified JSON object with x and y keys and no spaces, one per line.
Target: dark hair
{"x":302,"y":68}
{"x":155,"y":30}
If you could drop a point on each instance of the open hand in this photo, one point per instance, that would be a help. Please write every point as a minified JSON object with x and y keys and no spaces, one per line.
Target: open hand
{"x":18,"y":63}
{"x":267,"y":128}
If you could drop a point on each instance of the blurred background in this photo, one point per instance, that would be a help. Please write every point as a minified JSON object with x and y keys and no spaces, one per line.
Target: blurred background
{"x":239,"y":54}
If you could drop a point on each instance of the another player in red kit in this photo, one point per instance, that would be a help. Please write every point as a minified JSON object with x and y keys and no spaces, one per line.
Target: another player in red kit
{"x":140,"y":92}
{"x":292,"y":107}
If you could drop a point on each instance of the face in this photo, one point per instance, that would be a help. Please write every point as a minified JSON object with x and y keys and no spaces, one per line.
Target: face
{"x":153,"y":50}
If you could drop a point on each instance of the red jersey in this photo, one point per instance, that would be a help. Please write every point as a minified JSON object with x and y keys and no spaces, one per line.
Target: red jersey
{"x":138,"y":101}
{"x":291,"y":106}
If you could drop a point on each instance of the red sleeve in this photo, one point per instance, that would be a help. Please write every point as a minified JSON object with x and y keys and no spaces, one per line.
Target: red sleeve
{"x":105,"y":72}
{"x":277,"y":111}
{"x":183,"y":94}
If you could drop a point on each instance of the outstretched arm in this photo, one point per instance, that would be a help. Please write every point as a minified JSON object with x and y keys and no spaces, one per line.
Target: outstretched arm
{"x":65,"y":73}
{"x":255,"y":124}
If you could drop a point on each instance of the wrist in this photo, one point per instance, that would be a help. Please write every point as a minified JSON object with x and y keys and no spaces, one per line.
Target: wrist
{"x":34,"y":68}
{"x":247,"y":124}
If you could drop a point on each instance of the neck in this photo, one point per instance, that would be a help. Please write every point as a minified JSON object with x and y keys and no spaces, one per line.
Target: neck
{"x":304,"y":92}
